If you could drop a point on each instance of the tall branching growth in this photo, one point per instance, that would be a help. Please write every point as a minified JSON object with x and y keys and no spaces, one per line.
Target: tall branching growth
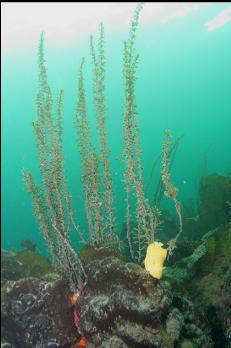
{"x":90,"y":166}
{"x":51,"y":200}
{"x":146,"y":219}
{"x":98,"y":61}
{"x":170,"y":190}
{"x":159,"y":191}
{"x":96,"y":174}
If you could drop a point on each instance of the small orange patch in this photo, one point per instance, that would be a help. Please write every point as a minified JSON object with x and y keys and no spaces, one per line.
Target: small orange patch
{"x":81,"y":343}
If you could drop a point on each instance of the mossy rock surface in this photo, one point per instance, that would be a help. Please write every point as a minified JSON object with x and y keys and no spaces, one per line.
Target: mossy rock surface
{"x":35,"y":265}
{"x":218,"y":253}
{"x":215,"y":191}
{"x":187,"y":344}
{"x":23,"y":264}
{"x":206,"y":276}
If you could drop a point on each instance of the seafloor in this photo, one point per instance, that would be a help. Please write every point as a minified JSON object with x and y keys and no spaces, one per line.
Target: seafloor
{"x":122,"y":305}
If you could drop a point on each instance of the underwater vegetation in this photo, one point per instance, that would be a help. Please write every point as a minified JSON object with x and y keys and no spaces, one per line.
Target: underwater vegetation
{"x":52,"y":201}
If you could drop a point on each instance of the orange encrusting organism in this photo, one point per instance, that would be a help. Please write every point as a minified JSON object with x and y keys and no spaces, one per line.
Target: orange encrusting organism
{"x":81,"y":343}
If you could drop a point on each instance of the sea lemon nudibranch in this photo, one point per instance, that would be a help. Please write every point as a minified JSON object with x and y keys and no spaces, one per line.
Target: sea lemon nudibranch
{"x":154,"y":260}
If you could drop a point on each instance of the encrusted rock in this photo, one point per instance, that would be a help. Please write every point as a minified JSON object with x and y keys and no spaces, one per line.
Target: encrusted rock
{"x":121,"y":306}
{"x":124,"y":304}
{"x":35,"y":313}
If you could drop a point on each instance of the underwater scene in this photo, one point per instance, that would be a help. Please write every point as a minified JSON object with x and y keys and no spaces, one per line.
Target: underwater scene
{"x":116,"y":175}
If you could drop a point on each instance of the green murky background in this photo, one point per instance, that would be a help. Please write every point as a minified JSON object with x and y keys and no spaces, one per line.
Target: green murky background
{"x":184,"y":85}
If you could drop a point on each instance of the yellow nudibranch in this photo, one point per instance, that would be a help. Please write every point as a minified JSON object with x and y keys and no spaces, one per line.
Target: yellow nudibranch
{"x":154,"y":259}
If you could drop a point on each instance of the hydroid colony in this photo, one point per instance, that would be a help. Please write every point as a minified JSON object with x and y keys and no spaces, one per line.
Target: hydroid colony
{"x":51,"y":200}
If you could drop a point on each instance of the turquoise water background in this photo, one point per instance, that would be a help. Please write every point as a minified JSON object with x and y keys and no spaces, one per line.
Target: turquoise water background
{"x":184,"y":85}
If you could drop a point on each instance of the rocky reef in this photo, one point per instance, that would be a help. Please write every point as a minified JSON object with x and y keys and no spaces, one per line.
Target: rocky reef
{"x":213,"y":207}
{"x":34,"y":308}
{"x":23,"y":264}
{"x":215,"y":193}
{"x":201,"y":264}
{"x":121,"y":306}
{"x":206,"y":275}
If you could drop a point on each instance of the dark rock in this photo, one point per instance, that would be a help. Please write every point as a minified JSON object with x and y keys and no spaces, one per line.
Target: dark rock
{"x":206,"y":275}
{"x":35,"y":313}
{"x":123,"y":304}
{"x":211,"y":284}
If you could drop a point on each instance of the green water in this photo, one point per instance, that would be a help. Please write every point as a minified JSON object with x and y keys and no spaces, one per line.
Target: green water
{"x":184,"y":85}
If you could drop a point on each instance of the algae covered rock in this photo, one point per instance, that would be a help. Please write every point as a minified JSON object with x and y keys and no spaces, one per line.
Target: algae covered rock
{"x":11,"y":269}
{"x":35,"y":313}
{"x":34,"y":264}
{"x":213,"y":207}
{"x":215,"y":192}
{"x":25,"y":263}
{"x":206,"y":275}
{"x":211,"y":284}
{"x":35,"y":310}
{"x":124,"y":304}
{"x":121,"y":306}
